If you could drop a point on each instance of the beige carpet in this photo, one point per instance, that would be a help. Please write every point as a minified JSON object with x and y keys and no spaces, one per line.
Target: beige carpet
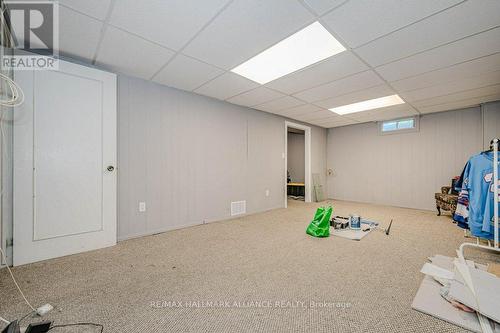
{"x":260,"y":272}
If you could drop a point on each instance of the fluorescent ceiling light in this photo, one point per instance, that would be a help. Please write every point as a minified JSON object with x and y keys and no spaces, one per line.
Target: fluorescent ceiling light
{"x":370,"y":104}
{"x":306,"y":47}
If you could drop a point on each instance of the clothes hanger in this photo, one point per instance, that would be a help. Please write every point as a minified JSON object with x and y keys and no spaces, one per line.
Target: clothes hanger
{"x":491,"y":146}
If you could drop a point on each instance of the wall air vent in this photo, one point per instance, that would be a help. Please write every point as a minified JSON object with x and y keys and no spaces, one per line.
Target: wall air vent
{"x":238,"y":207}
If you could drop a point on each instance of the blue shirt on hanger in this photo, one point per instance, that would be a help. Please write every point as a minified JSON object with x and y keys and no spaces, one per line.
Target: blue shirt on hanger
{"x":478,"y":181}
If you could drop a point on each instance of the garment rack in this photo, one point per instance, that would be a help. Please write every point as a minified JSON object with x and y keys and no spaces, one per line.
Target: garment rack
{"x":483,"y":321}
{"x":495,"y":207}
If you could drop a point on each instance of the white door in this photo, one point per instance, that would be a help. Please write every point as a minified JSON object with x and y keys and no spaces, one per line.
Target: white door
{"x":64,"y":163}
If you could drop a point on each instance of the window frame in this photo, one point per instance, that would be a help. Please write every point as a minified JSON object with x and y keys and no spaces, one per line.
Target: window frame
{"x":415,"y":128}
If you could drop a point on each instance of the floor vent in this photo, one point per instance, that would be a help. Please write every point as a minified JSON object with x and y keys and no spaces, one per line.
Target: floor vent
{"x":238,"y":207}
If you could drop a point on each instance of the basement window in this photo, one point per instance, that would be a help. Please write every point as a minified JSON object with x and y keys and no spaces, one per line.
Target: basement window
{"x":399,"y":125}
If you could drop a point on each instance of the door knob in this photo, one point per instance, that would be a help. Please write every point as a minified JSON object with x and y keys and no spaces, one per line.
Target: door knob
{"x":111,"y":168}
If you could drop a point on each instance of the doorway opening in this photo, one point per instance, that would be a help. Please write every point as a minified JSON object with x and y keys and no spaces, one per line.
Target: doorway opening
{"x":297,"y":162}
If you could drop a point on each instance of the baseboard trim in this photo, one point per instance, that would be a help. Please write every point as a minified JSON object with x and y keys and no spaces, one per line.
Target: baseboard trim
{"x":171,"y":228}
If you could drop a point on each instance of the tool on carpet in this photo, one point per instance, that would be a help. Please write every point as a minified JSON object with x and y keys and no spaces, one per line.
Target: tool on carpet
{"x":388,"y":230}
{"x":339,"y":222}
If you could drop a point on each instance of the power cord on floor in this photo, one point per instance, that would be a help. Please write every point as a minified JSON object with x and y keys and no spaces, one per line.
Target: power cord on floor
{"x":15,"y":282}
{"x":20,"y":320}
{"x":26,"y":316}
{"x":18,"y":288}
{"x":101,"y":327}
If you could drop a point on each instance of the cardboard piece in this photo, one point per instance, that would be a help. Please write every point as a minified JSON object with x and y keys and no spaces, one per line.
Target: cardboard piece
{"x":350,"y":233}
{"x":355,"y":234}
{"x":448,"y":262}
{"x":436,"y":271}
{"x":429,"y":301}
{"x":487,"y":292}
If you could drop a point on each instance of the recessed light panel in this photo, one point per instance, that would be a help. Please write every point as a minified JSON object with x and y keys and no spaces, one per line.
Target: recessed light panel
{"x":306,"y":47}
{"x":370,"y":104}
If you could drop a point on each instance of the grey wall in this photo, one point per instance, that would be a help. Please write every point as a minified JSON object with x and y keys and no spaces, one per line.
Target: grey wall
{"x":403,"y":169}
{"x":188,"y":156}
{"x":296,"y":155}
{"x":6,"y":176}
{"x":491,"y":121}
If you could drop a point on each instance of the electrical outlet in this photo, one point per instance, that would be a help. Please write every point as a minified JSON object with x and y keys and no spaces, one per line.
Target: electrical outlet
{"x":267,"y":193}
{"x":142,"y":206}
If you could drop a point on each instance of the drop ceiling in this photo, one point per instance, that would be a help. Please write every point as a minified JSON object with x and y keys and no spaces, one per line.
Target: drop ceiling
{"x":437,"y":55}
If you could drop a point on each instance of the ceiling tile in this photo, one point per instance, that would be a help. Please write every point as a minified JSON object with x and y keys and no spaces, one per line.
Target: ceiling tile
{"x":87,"y":29}
{"x":450,"y":74}
{"x":299,"y":110}
{"x":125,"y":53}
{"x":333,"y":68}
{"x":255,"y":97}
{"x":460,"y":104}
{"x":391,"y":112}
{"x":280,"y":104}
{"x":480,"y":45}
{"x":322,"y":6}
{"x":319,"y":115}
{"x":358,"y":22}
{"x":335,"y":123}
{"x":246,"y":28}
{"x":169,"y":23}
{"x":468,"y":83}
{"x":463,"y":95}
{"x":186,"y":73}
{"x":95,"y":8}
{"x":346,"y":85}
{"x":225,"y":86}
{"x":445,"y":27}
{"x":357,"y":96}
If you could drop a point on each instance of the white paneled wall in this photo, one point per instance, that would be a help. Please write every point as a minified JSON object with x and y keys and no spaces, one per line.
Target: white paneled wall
{"x":491,"y":120}
{"x":189,"y":156}
{"x":406,"y":169}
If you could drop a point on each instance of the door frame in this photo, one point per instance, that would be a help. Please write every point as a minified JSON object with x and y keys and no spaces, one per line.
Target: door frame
{"x":24,"y":173}
{"x":307,"y":160}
